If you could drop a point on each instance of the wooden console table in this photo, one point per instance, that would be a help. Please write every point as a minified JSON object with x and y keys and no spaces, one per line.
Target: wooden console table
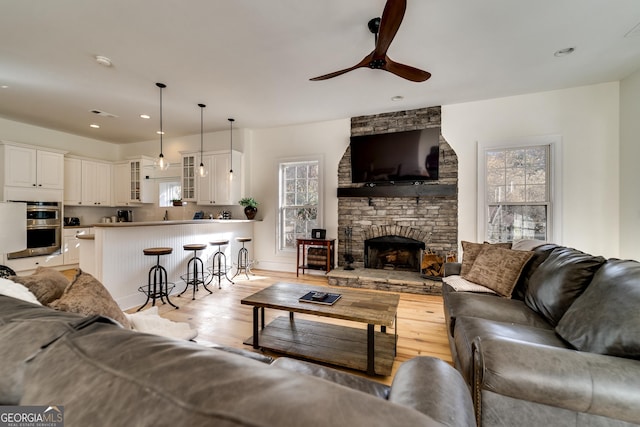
{"x":329,"y":244}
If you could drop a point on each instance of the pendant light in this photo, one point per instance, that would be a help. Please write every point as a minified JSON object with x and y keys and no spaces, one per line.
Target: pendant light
{"x":202,"y":172}
{"x":161,"y":162}
{"x":231,"y":148}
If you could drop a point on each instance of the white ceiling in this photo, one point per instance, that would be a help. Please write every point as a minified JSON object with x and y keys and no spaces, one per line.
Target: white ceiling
{"x":252,"y":59}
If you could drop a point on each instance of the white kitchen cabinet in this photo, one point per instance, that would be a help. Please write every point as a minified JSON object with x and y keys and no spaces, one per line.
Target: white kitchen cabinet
{"x":96,"y":183}
{"x":31,"y":263}
{"x":87,"y":182}
{"x":32,"y":168}
{"x":131,"y":184}
{"x":72,"y":181}
{"x":217,"y":188}
{"x":71,"y":245}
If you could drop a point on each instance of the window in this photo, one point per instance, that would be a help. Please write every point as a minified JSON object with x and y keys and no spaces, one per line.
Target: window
{"x":300,"y":208}
{"x":517,"y":192}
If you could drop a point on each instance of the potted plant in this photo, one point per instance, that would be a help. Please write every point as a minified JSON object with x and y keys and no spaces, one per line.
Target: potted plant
{"x":177,"y":202}
{"x":250,"y":207}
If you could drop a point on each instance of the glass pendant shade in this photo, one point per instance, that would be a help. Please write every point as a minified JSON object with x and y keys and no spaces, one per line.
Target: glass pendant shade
{"x":202,"y":172}
{"x":161,"y":162}
{"x":231,"y":149}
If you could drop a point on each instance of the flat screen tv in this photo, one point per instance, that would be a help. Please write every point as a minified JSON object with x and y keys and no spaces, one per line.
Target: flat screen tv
{"x":396,"y":157}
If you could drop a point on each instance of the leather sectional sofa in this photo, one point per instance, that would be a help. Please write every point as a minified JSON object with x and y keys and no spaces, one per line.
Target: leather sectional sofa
{"x":105,"y":375}
{"x":562,"y":348}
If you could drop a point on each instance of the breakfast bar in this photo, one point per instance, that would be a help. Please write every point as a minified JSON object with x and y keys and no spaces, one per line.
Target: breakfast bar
{"x":116,"y":257}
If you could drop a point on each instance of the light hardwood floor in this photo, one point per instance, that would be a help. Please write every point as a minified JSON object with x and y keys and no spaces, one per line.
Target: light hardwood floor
{"x":220,"y":318}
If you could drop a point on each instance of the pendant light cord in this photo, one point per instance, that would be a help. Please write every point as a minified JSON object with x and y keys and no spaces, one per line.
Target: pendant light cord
{"x":231,"y":146}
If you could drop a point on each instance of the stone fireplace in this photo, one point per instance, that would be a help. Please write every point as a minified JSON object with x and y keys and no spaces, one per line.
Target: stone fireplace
{"x":383,"y":218}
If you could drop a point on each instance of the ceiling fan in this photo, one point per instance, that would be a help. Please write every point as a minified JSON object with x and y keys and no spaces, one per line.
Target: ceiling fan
{"x":385,"y":30}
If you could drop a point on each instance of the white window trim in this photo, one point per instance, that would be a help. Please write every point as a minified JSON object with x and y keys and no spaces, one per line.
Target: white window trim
{"x":318,"y":158}
{"x":554,"y":232}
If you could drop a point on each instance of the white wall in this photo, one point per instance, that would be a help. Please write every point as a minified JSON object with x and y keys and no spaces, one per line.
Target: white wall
{"x":267,"y":148}
{"x":587,"y":119}
{"x":78,"y":145}
{"x":629,"y":170}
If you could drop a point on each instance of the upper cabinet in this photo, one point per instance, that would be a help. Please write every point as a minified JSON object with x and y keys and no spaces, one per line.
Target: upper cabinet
{"x":33,"y":168}
{"x":189,"y":171}
{"x":218,"y":187}
{"x":87,"y":182}
{"x":131,"y":185}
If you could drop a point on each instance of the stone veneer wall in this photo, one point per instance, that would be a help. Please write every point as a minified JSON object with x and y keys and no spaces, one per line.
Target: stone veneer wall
{"x":431,"y":219}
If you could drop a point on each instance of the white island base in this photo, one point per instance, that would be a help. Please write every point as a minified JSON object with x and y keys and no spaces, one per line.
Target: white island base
{"x":116,"y":259}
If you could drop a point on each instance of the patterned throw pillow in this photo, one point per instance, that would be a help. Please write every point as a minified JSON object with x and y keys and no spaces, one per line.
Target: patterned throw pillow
{"x":498,"y":269}
{"x":471,"y":250}
{"x":87,"y":296}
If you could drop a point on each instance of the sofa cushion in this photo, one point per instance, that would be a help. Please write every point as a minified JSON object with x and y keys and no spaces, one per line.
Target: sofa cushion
{"x":24,"y":328}
{"x":471,"y":250}
{"x":540,"y":254}
{"x":559,"y":280}
{"x":490,"y":307}
{"x":498,"y":269}
{"x":605,"y":319}
{"x":86,"y":295}
{"x":151,"y":380}
{"x":47,"y":284}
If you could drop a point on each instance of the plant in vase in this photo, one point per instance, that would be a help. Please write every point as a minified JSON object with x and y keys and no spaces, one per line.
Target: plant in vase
{"x":178,"y":202}
{"x":250,"y":207}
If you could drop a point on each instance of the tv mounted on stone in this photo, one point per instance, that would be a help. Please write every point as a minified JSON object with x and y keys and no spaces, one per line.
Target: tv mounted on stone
{"x":396,"y":157}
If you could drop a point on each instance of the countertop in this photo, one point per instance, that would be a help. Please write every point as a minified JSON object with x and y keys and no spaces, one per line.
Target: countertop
{"x":170,"y":222}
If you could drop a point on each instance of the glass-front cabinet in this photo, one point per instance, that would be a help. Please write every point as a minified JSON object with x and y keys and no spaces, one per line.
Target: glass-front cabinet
{"x":189,"y":177}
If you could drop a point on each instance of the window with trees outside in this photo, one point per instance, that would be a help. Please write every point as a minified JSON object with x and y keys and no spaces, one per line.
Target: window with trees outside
{"x":517,"y":193}
{"x":299,"y":201}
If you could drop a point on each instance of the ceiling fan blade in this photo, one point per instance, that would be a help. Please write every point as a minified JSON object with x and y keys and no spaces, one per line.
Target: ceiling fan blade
{"x":363,"y":63}
{"x":389,"y":24}
{"x":405,"y":71}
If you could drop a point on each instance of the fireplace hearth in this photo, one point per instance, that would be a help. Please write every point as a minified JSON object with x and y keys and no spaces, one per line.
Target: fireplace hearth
{"x":393,"y":253}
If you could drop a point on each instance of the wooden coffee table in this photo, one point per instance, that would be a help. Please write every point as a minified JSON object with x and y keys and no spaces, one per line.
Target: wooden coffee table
{"x":351,"y":347}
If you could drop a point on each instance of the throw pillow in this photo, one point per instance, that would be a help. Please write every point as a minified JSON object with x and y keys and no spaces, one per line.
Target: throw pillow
{"x":559,"y":280}
{"x":498,"y":269}
{"x":47,"y":284}
{"x":605,"y":319}
{"x":471,"y":250}
{"x":17,"y":290}
{"x":460,"y":284}
{"x":87,"y":296}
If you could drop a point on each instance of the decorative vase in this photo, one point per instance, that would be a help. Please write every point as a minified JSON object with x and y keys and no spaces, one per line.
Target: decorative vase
{"x":250,"y":212}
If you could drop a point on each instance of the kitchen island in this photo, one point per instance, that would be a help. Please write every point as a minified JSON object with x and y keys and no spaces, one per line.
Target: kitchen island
{"x":115,"y":255}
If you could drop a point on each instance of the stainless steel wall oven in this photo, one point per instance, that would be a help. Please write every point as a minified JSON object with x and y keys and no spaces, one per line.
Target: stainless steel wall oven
{"x":43,"y":230}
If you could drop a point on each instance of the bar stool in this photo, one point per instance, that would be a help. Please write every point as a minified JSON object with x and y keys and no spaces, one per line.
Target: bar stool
{"x":219,"y":260}
{"x":243,"y":257}
{"x":195,"y":270}
{"x":157,"y":286}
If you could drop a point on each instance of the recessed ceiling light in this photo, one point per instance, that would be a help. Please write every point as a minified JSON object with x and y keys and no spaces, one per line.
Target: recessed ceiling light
{"x":145,"y":116}
{"x":4,"y":87}
{"x":564,"y":52}
{"x":95,"y":126}
{"x":160,"y":133}
{"x":104,"y":61}
{"x":397,"y":98}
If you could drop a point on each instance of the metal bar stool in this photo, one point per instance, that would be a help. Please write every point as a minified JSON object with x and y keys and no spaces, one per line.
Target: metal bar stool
{"x":219,"y":264}
{"x":244,"y":265}
{"x":157,"y":286}
{"x":195,"y":270}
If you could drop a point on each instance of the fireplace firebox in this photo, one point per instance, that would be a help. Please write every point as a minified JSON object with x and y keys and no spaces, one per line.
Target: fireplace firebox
{"x":393,"y":253}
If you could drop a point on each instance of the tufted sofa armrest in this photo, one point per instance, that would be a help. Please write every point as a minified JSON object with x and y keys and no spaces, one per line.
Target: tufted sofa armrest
{"x":558,"y":377}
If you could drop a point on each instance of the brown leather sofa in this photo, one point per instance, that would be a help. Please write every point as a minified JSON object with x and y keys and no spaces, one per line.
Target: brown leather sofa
{"x":105,"y":375}
{"x":564,"y":350}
